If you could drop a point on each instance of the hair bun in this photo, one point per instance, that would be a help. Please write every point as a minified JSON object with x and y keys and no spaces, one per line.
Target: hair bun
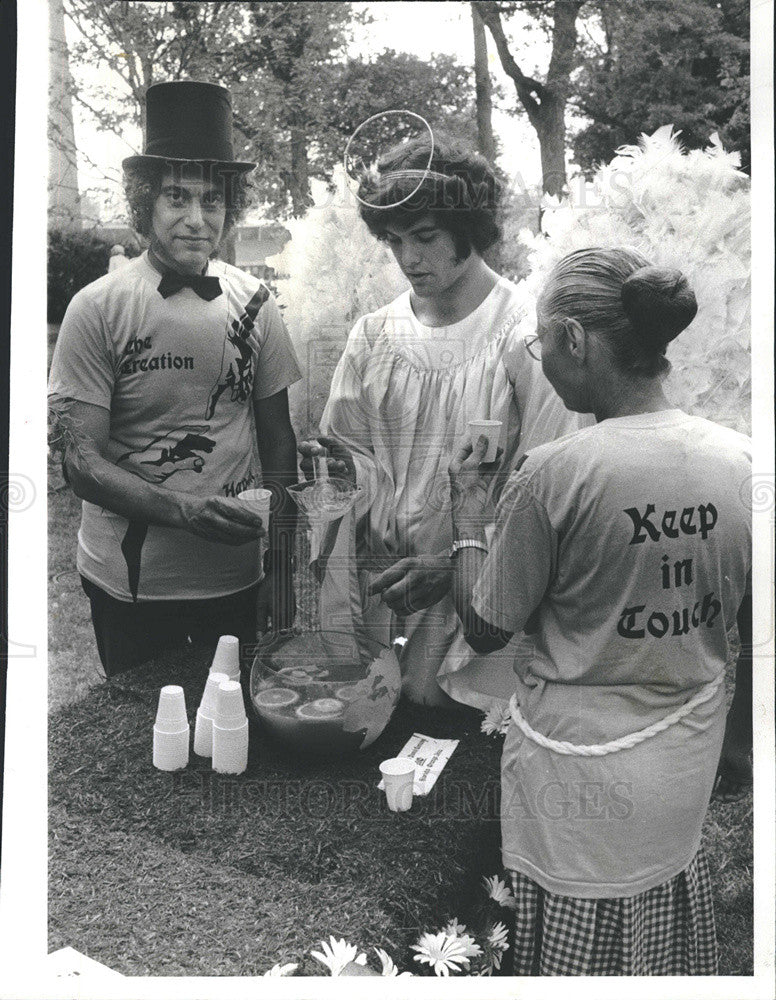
{"x":659,"y":303}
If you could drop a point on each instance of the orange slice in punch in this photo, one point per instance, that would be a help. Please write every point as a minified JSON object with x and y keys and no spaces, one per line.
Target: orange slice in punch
{"x":276,"y":698}
{"x":347,"y":693}
{"x":322,"y":708}
{"x":294,"y":676}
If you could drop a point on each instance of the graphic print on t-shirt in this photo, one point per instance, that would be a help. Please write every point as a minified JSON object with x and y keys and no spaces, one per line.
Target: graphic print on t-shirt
{"x":153,"y":364}
{"x":174,"y":452}
{"x":237,"y":363}
{"x":675,"y":574}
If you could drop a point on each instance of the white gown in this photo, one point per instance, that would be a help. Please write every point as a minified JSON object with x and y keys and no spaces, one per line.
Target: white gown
{"x":400,"y":400}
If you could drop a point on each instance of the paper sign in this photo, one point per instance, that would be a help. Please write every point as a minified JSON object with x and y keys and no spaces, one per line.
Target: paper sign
{"x":68,"y":963}
{"x":430,"y":757}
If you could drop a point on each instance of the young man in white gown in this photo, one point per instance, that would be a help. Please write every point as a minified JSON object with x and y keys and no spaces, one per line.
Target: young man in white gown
{"x":413,"y":374}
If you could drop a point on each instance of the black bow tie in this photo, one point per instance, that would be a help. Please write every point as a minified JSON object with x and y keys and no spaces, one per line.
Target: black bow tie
{"x":208,"y":288}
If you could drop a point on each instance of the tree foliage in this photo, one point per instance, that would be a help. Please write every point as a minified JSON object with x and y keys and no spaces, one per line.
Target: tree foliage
{"x":297,"y":93}
{"x":145,"y":43}
{"x":299,"y":97}
{"x":280,"y":78}
{"x":441,"y":91}
{"x":74,"y":260}
{"x":649,"y":63}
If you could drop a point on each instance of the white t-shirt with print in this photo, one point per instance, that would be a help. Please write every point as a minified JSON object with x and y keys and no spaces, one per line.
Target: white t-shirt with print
{"x":624,"y":549}
{"x":179,"y":377}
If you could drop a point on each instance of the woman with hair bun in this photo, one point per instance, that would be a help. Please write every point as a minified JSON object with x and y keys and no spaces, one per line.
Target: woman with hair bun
{"x":412,"y":375}
{"x":624,"y":549}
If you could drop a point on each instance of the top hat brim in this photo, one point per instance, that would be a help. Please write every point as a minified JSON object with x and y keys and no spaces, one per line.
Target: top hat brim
{"x":241,"y":166}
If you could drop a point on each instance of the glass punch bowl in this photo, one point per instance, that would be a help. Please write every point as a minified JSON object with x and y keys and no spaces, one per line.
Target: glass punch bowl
{"x":324,"y":693}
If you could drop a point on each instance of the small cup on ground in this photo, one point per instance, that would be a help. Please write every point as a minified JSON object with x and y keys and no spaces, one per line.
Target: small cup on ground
{"x":398,"y":776}
{"x":492,"y":431}
{"x":227,"y":657}
{"x":230,"y":749}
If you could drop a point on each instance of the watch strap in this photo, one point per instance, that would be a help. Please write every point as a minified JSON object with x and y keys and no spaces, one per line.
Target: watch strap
{"x":467,"y":543}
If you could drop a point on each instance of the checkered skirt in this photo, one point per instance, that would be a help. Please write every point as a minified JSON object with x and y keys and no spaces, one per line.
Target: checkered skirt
{"x":665,"y":931}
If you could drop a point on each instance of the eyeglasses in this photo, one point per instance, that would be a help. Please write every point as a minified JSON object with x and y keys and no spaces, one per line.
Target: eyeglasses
{"x":534,"y":346}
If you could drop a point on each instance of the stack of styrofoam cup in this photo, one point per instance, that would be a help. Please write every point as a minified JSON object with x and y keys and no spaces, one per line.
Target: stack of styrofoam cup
{"x":203,"y":728}
{"x":171,"y":730}
{"x":227,"y":657}
{"x":230,"y":730}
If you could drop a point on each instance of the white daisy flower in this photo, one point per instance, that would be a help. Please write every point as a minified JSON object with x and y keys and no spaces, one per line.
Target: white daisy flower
{"x":499,"y":892}
{"x":389,"y":969}
{"x":497,"y":938}
{"x":456,"y":930}
{"x":495,"y":947}
{"x":339,"y":954}
{"x":497,"y":719}
{"x":442,"y":952}
{"x":282,"y":970}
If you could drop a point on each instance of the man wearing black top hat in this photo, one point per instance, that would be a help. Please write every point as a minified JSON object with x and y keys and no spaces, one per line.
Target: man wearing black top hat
{"x":172,"y":372}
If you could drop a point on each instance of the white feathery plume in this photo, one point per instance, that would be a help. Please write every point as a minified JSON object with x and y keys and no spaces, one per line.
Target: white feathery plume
{"x":332,"y":271}
{"x":685,"y":210}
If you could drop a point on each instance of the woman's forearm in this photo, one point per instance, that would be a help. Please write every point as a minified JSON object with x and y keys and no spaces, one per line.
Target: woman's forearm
{"x":479,"y":634}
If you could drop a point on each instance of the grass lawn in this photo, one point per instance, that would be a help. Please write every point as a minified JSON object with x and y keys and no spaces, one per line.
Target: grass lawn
{"x":201,"y":874}
{"x":206,"y":875}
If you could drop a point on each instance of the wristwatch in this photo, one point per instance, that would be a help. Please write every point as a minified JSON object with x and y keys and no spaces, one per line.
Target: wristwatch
{"x":467,"y":543}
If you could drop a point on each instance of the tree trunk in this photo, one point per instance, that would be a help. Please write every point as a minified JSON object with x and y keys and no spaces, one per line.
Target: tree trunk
{"x":64,"y":198}
{"x":299,"y":180}
{"x":483,"y":88}
{"x":552,"y":145}
{"x":544,"y":103}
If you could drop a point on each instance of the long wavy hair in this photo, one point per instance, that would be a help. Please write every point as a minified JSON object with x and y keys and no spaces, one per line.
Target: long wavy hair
{"x":143,"y":183}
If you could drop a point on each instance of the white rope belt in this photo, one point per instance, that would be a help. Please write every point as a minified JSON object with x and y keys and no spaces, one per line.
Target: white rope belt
{"x":624,"y":742}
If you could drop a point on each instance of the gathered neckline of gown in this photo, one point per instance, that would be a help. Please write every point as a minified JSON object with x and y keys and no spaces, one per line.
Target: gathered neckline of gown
{"x":474,"y":330}
{"x":404,"y":302}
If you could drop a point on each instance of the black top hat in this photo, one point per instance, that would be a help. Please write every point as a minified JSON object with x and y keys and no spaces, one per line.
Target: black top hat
{"x":187,"y":122}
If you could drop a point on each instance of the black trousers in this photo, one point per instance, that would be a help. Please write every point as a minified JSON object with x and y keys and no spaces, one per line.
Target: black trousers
{"x":131,"y":633}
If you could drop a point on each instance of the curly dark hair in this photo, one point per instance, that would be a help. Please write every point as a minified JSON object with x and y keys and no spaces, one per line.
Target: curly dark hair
{"x":143,"y":182}
{"x":461,"y":192}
